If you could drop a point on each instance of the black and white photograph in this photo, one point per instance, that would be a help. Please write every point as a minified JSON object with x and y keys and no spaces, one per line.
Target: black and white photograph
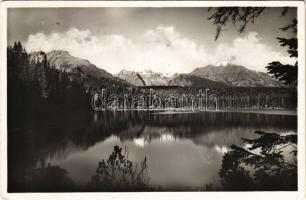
{"x":152,"y":99}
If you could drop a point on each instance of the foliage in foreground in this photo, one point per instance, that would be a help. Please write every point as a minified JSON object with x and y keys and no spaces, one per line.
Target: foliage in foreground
{"x":269,"y":163}
{"x":118,"y":173}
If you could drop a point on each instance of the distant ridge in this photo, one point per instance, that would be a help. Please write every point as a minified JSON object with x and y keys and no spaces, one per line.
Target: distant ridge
{"x":236,"y":75}
{"x":193,"y":81}
{"x":149,"y":78}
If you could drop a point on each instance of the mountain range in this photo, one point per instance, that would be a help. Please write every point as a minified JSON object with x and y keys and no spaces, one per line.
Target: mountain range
{"x":229,"y":75}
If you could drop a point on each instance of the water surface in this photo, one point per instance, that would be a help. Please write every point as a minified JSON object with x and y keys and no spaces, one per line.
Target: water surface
{"x":184,"y":151}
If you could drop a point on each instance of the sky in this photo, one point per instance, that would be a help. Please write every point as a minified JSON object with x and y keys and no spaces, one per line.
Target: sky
{"x":166,"y":40}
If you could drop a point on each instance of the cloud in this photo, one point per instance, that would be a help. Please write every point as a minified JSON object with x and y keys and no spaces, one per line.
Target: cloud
{"x":251,"y":52}
{"x":162,"y":49}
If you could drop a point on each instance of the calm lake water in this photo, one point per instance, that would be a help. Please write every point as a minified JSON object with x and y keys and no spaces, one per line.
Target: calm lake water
{"x":183,"y":151}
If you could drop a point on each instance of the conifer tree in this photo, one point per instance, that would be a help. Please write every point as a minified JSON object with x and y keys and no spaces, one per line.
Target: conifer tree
{"x":285,"y":72}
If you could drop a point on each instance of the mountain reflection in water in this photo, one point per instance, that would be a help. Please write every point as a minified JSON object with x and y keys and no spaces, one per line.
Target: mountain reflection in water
{"x":183,"y":151}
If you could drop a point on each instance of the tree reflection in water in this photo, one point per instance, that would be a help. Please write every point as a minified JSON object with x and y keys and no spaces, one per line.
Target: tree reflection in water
{"x":120,"y":174}
{"x":268,"y":163}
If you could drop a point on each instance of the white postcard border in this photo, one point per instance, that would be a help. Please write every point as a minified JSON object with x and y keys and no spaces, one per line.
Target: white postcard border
{"x":300,"y":194}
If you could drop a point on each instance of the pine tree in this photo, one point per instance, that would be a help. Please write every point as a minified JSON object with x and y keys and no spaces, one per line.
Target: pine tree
{"x":285,"y":72}
{"x":18,"y":62}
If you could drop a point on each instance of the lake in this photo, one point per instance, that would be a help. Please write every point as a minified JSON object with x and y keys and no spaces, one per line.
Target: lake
{"x":183,"y":150}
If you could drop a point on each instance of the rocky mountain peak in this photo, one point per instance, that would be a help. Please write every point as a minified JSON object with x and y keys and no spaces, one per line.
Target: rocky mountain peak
{"x":144,"y":78}
{"x":63,"y":59}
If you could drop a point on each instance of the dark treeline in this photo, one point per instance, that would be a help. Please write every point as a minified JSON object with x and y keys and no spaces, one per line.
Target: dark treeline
{"x":35,"y":89}
{"x":185,"y":97}
{"x":232,"y":97}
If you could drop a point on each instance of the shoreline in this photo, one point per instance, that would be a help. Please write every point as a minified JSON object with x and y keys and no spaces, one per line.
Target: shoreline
{"x":261,"y":111}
